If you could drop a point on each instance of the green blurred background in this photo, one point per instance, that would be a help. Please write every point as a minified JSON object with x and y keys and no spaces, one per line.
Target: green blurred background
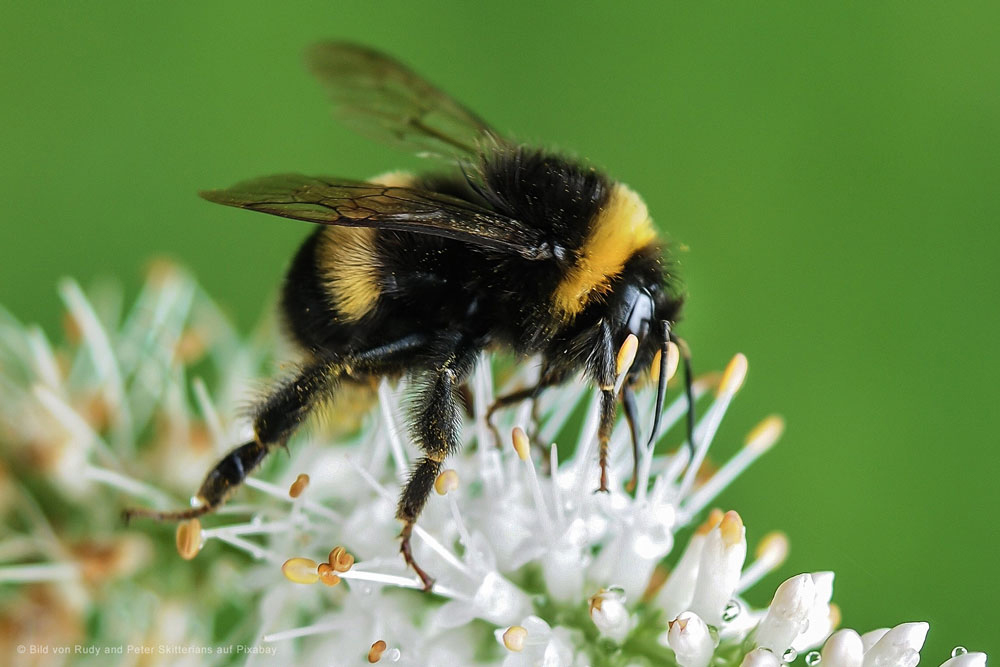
{"x":830,"y":173}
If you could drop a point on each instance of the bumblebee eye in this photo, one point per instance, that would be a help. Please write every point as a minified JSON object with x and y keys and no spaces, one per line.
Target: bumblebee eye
{"x":640,"y":314}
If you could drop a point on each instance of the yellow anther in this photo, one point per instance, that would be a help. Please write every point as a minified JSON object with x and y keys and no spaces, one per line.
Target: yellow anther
{"x":340,"y":559}
{"x":731,"y":528}
{"x":673,"y":359}
{"x":327,"y":574}
{"x":654,"y":367}
{"x":300,"y":570}
{"x":299,"y":485}
{"x":189,"y":538}
{"x":513,"y":638}
{"x":626,"y":354}
{"x":765,"y":434}
{"x":446,"y":482}
{"x":733,"y":376}
{"x":521,"y":443}
{"x":713,"y":520}
{"x":834,"y":615}
{"x":773,"y":547}
{"x":376,"y":651}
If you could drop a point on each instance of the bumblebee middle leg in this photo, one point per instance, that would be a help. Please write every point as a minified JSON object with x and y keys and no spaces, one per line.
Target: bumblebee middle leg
{"x":435,"y":430}
{"x":277,"y":418}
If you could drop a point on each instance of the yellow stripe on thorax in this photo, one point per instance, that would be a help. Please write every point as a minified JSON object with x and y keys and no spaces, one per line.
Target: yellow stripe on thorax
{"x":621,"y":228}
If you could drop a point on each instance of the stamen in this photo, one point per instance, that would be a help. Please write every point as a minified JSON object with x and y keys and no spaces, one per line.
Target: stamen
{"x":557,"y":499}
{"x":317,"y":629}
{"x":770,"y":554}
{"x":301,"y":570}
{"x":673,"y":360}
{"x":340,"y":559}
{"x":733,"y":376}
{"x":419,"y":531}
{"x":256,"y":551}
{"x":127,"y":484}
{"x":625,"y":359}
{"x":445,"y":483}
{"x":522,"y":446}
{"x":513,"y":638}
{"x":402,"y":582}
{"x":43,"y":358}
{"x":298,"y":486}
{"x":759,"y":440}
{"x":276,"y":491}
{"x":22,"y":574}
{"x":732,"y":379}
{"x":188,"y":538}
{"x":208,"y":412}
{"x":561,"y":412}
{"x":376,"y":651}
{"x":252,"y":528}
{"x":835,"y":615}
{"x":386,"y":403}
{"x":521,"y":443}
{"x":327,"y":574}
{"x":765,"y":434}
{"x":489,"y":457}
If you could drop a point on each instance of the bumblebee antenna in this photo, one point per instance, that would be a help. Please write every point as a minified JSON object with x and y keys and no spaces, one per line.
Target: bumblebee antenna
{"x":661,"y":383}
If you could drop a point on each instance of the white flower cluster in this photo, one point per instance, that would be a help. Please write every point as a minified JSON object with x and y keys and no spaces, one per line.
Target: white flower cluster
{"x":532,"y":567}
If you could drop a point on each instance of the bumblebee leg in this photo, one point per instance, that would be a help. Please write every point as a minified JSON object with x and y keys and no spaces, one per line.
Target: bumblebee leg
{"x":632,"y":417}
{"x":607,"y":423}
{"x":507,"y":400}
{"x":435,"y":430}
{"x":603,"y":366}
{"x":278,"y":417}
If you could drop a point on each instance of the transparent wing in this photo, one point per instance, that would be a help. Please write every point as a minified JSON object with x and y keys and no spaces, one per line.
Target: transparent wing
{"x":383,"y":99}
{"x":331,"y":201}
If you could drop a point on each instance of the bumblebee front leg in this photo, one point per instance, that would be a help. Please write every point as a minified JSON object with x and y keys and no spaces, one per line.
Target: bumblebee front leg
{"x":602,"y":365}
{"x":435,"y":430}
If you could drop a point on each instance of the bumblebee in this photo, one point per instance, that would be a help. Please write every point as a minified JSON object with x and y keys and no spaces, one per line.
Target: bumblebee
{"x":511,"y":248}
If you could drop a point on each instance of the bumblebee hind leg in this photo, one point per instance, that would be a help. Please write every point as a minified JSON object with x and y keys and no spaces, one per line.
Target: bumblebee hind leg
{"x":278,"y":417}
{"x":435,"y":429}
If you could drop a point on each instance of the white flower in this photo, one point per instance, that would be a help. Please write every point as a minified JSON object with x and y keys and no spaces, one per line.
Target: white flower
{"x":899,"y":647}
{"x":608,"y":611}
{"x":799,"y":615}
{"x":719,"y":568}
{"x":691,"y":641}
{"x":536,"y":646}
{"x":760,"y":657}
{"x":116,"y":411}
{"x":843,"y":649}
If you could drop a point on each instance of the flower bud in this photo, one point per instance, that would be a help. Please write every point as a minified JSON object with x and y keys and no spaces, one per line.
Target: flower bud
{"x":607,"y":610}
{"x":843,"y":649}
{"x":899,"y":647}
{"x":760,"y":657}
{"x":719,"y":570}
{"x":688,"y":636}
{"x":786,"y":617}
